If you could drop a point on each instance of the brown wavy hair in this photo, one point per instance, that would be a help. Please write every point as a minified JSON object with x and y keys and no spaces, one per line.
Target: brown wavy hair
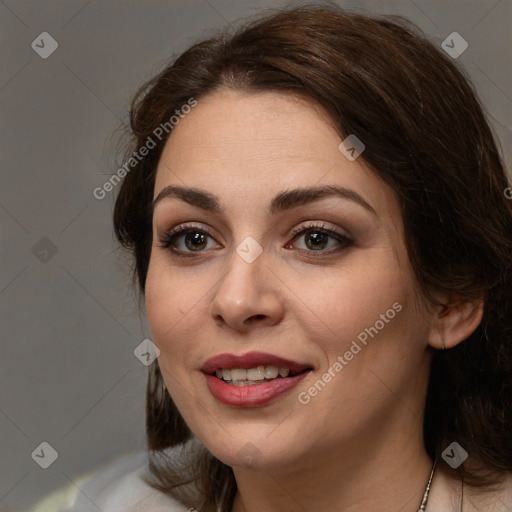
{"x":427,"y":136}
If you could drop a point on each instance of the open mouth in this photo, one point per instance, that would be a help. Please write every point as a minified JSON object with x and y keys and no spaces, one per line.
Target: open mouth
{"x":253,"y":379}
{"x":253,"y":376}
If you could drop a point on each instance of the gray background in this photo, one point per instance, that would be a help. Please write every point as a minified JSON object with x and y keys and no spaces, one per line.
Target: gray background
{"x":68,"y":375}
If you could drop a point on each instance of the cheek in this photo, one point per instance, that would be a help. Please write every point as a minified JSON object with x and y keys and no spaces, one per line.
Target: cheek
{"x":347,"y":300}
{"x":372,"y":337}
{"x":369,"y":318}
{"x":171,"y":303}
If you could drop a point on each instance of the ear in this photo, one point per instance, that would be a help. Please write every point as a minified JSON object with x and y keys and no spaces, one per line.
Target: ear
{"x":454,"y":321}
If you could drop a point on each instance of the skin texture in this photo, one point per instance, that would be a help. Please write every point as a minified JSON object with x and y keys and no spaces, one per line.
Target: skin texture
{"x":298,"y":303}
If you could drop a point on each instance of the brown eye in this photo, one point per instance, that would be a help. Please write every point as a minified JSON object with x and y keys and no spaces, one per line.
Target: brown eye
{"x":316,"y":240}
{"x":195,"y":240}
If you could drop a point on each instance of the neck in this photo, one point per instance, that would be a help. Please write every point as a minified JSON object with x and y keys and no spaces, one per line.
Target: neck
{"x":359,"y":478}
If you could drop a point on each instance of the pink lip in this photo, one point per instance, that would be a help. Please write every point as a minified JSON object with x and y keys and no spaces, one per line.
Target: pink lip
{"x":251,"y":360}
{"x":255,"y":395}
{"x":251,"y":396}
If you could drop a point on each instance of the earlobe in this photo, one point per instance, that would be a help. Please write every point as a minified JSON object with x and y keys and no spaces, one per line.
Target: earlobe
{"x":454,"y":322}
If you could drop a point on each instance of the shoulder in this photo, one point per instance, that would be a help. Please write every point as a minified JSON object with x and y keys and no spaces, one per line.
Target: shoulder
{"x":450,"y":495}
{"x":115,"y":487}
{"x":498,"y":497}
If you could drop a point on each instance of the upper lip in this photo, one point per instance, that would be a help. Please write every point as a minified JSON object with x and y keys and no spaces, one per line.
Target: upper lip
{"x":251,"y":360}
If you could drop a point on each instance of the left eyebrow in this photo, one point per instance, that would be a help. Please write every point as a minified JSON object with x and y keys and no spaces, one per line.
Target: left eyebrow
{"x":283,"y":201}
{"x":300,"y":196}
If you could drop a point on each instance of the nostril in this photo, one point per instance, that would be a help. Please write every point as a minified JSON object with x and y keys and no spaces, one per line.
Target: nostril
{"x":257,"y":317}
{"x":217,"y":318}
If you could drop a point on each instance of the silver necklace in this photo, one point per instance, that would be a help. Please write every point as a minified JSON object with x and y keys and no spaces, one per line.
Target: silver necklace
{"x":424,"y":501}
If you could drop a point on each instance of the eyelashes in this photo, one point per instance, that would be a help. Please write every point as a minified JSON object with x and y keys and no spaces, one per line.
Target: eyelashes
{"x":193,"y":240}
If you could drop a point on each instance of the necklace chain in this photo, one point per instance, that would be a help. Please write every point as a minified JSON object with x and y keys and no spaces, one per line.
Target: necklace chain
{"x":424,"y":501}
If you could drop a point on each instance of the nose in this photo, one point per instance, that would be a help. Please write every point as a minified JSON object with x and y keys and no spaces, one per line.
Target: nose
{"x":247,"y":296}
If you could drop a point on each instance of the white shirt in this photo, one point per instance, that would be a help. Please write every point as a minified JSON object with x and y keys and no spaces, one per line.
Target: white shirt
{"x":117,"y":487}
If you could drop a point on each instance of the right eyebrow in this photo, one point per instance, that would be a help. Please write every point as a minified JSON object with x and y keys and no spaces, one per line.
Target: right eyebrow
{"x":193,"y":196}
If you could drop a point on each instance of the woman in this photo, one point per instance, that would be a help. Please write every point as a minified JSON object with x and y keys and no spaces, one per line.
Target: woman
{"x":321,"y":234}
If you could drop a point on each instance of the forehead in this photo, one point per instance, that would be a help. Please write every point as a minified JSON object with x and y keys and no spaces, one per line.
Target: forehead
{"x":259,"y":144}
{"x":230,"y":123}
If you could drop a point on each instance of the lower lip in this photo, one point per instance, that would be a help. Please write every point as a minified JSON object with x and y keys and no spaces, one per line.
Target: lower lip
{"x":254,"y":395}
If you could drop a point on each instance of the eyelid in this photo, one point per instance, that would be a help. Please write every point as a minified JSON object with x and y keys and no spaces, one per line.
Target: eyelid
{"x":320,"y":225}
{"x":323,"y":227}
{"x":182,"y":226}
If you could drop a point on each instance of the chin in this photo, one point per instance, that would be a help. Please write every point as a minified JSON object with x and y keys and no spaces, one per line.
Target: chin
{"x":258,"y":451}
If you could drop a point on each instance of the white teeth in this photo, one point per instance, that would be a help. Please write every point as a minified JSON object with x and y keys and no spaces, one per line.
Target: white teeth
{"x":241,"y":376}
{"x":238,"y":374}
{"x":256,"y":373}
{"x":271,"y":372}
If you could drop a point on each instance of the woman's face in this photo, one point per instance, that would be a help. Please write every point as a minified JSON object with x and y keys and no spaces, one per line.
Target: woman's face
{"x":272,"y":251}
